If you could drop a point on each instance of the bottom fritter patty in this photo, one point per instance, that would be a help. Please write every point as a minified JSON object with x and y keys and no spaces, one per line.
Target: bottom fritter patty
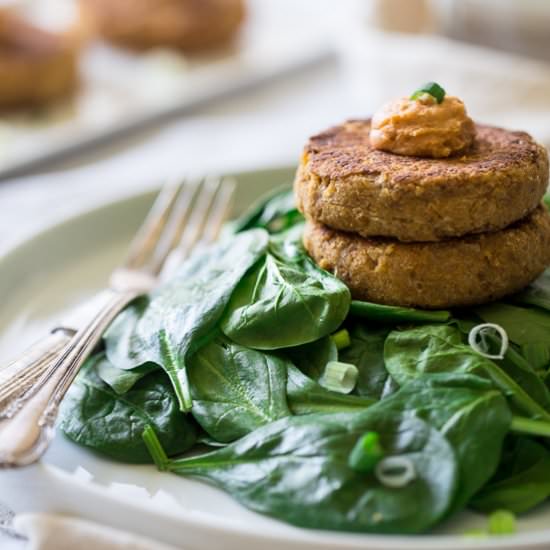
{"x":457,"y":272}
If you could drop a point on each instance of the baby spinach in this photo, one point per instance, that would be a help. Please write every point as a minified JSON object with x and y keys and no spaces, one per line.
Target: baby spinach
{"x":121,"y":380}
{"x":95,"y":416}
{"x":422,"y":351}
{"x":518,"y":368}
{"x":235,"y":390}
{"x":296,"y":469}
{"x":523,"y":325}
{"x":522,"y":482}
{"x":306,"y":396}
{"x":393,"y":314}
{"x":469,"y":412}
{"x":286,"y":300}
{"x":312,"y":358}
{"x":274,"y":212}
{"x":366,"y":352}
{"x":184,"y":313}
{"x":537,"y":293}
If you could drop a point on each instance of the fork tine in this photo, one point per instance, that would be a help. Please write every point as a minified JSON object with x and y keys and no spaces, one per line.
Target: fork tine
{"x":147,"y":236}
{"x":206,"y":220}
{"x":221,"y":207}
{"x":177,"y":221}
{"x":200,"y":215}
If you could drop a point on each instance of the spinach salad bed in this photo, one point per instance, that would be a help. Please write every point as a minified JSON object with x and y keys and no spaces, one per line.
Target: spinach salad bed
{"x":255,"y":371}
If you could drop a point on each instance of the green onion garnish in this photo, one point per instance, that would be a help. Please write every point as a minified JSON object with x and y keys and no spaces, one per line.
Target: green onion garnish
{"x":366,"y":453}
{"x":502,"y":522}
{"x":341,"y":339}
{"x":395,"y":471}
{"x":339,"y":377}
{"x":432,"y":88}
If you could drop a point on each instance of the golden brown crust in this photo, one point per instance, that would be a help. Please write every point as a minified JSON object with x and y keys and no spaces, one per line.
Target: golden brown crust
{"x":458,"y":272}
{"x":346,"y":184}
{"x":184,"y":24}
{"x":35,"y":66}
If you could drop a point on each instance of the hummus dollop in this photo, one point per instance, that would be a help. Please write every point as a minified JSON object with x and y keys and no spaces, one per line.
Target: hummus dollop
{"x":423,"y":127}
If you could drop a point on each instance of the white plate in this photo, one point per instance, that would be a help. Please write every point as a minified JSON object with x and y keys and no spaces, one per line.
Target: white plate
{"x":49,"y":272}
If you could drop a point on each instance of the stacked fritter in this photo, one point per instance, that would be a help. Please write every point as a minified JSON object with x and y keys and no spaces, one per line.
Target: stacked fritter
{"x":426,"y":232}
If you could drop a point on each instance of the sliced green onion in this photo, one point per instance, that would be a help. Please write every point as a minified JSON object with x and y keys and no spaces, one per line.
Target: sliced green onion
{"x":432,"y":88}
{"x":502,"y":522}
{"x":394,"y":314}
{"x":366,"y":453}
{"x":477,"y":338}
{"x":339,"y":377}
{"x":155,"y":449}
{"x":395,"y":471}
{"x":537,"y":354}
{"x":341,"y":339}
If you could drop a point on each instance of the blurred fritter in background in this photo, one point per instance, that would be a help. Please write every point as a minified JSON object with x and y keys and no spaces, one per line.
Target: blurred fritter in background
{"x":77,"y":70}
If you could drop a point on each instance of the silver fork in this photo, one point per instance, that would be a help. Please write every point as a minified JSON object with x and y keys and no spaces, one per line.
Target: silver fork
{"x":33,"y":387}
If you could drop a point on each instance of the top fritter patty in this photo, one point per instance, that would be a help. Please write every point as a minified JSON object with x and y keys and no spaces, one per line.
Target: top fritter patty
{"x":346,"y":184}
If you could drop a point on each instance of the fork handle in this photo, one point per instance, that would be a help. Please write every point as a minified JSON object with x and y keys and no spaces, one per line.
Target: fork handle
{"x":26,"y":435}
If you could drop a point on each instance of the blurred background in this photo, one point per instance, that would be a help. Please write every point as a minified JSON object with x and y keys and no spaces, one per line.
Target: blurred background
{"x":100,"y":98}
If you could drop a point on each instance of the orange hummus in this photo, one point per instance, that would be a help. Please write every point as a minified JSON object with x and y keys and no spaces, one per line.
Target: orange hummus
{"x":422,"y":127}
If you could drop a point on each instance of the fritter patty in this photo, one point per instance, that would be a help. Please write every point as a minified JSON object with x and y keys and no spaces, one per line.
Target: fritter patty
{"x":458,"y":272}
{"x":35,"y":66}
{"x":344,"y":183}
{"x":181,"y":24}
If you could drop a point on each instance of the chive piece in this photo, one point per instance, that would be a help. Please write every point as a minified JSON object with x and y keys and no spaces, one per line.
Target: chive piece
{"x":341,"y":339}
{"x":366,"y":453}
{"x":395,"y":314}
{"x":432,"y":88}
{"x":502,"y":522}
{"x":478,"y":340}
{"x":395,"y":471}
{"x":339,"y":377}
{"x":155,"y":449}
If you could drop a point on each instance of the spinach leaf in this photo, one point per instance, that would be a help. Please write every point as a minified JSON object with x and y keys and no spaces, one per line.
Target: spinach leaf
{"x":286,"y":300}
{"x":305,"y":396}
{"x":518,"y":368}
{"x":312,"y":358}
{"x":522,"y":482}
{"x":393,"y":314}
{"x":236,"y":390}
{"x":469,"y":412}
{"x":274,"y":212}
{"x":523,"y":325}
{"x":422,"y":351}
{"x":183,"y":314}
{"x":121,"y":380}
{"x":296,"y":469}
{"x":366,"y":352}
{"x":95,"y":416}
{"x":537,"y":293}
